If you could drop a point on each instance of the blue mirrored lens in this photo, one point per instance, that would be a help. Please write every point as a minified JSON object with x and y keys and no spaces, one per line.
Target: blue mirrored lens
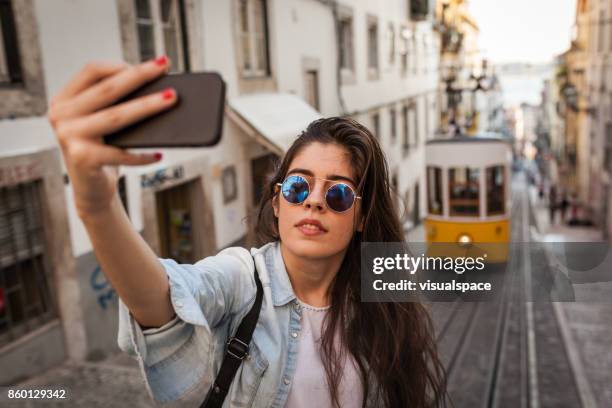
{"x":295,"y":189}
{"x":340,"y":197}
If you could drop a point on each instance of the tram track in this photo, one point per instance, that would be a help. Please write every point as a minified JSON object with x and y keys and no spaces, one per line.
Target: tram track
{"x":449,"y":319}
{"x":530,"y":350}
{"x":472,"y":311}
{"x":511,"y":302}
{"x":509,"y":352}
{"x":560,"y":386}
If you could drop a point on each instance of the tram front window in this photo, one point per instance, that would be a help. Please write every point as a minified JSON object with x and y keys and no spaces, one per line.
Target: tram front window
{"x":495,"y":190}
{"x":463,"y":191}
{"x":434,"y":190}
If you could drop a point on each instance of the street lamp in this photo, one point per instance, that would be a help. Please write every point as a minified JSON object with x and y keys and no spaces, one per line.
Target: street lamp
{"x":454,"y":93}
{"x":481,"y":82}
{"x":453,"y":96}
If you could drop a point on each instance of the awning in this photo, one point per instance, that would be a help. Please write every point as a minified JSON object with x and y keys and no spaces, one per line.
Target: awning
{"x":278,"y":117}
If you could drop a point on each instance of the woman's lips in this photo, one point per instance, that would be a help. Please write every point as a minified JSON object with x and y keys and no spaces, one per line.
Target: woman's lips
{"x":310,"y":230}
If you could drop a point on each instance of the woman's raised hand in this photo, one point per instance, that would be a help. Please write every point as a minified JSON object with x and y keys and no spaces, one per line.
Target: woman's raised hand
{"x":81,"y":114}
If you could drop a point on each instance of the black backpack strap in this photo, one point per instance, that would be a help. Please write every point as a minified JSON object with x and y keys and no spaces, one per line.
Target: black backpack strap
{"x":237,"y":349}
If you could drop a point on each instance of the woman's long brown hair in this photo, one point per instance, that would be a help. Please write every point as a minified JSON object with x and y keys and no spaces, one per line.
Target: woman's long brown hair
{"x":391,"y":343}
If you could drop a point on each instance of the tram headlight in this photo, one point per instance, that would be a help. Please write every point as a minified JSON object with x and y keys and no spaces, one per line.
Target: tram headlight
{"x":464,"y":240}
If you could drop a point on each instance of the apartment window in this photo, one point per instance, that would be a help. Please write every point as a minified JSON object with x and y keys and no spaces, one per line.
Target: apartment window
{"x":391,"y":34}
{"x":347,"y":57}
{"x":425,"y":54}
{"x":311,"y":80}
{"x":393,"y":119}
{"x":25,"y":297}
{"x":162,"y":31}
{"x":409,"y":204}
{"x":406,"y":132}
{"x":372,"y":46}
{"x":10,"y":63}
{"x":415,"y":52}
{"x":376,"y":124}
{"x":433,"y":122}
{"x":395,"y":192}
{"x":416,"y":213}
{"x":405,"y":45}
{"x":427,"y":118}
{"x":253,"y":38}
{"x":415,"y":110}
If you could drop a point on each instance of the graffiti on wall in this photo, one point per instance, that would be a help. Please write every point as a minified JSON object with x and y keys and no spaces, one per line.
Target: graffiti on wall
{"x":161,"y":177}
{"x":105,"y":293}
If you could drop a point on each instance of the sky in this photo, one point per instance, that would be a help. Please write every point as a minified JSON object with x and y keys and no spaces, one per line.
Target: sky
{"x":523,"y":30}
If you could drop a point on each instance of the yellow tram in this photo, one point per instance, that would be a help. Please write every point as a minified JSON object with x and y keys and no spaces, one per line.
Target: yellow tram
{"x":468,"y":193}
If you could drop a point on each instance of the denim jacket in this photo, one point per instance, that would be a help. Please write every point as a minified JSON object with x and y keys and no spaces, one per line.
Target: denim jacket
{"x":180,"y":359}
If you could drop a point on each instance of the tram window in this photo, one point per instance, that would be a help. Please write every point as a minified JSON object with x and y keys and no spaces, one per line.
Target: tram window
{"x":434,"y":190}
{"x":463,"y":191}
{"x":495,"y":190}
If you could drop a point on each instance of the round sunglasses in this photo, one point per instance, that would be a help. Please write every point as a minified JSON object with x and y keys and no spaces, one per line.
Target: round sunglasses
{"x":339,"y":197}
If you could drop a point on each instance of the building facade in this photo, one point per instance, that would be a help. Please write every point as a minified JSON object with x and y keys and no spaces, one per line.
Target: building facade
{"x":598,"y":14}
{"x":575,"y":169}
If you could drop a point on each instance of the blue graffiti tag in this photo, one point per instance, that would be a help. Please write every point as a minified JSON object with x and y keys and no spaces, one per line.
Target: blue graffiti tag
{"x":100,"y":285}
{"x":161,"y":176}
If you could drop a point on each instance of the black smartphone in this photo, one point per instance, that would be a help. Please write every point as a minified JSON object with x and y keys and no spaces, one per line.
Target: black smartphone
{"x":195,"y":121}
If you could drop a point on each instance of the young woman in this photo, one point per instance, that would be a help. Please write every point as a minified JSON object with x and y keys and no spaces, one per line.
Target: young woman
{"x":315,"y":343}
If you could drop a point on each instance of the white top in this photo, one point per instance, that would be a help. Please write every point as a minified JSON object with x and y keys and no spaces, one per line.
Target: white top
{"x":309,"y":387}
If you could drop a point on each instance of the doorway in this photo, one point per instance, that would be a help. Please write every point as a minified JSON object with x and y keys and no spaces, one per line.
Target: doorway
{"x":175,"y":221}
{"x":261,"y":169}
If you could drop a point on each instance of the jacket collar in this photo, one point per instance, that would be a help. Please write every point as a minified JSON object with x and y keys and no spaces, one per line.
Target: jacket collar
{"x":280,"y":285}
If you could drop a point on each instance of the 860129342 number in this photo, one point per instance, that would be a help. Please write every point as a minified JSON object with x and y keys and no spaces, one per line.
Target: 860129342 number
{"x":25,"y":393}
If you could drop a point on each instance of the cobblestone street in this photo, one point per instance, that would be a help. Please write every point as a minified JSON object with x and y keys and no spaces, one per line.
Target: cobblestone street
{"x":115,"y":382}
{"x":586,"y":325}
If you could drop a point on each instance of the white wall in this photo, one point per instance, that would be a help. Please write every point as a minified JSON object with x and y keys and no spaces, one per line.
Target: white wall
{"x":305,"y":29}
{"x":218,"y":32}
{"x":72,"y":33}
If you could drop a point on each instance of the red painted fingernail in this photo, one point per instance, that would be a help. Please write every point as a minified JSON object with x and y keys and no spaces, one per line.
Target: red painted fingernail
{"x":168,"y":93}
{"x":158,"y":156}
{"x":161,"y":61}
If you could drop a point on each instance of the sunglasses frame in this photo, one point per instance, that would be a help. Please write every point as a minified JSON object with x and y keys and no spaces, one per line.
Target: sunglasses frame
{"x":334,"y":183}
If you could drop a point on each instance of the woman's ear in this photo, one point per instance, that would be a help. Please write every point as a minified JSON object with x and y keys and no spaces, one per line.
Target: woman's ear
{"x":275,"y":205}
{"x":360,"y":226}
